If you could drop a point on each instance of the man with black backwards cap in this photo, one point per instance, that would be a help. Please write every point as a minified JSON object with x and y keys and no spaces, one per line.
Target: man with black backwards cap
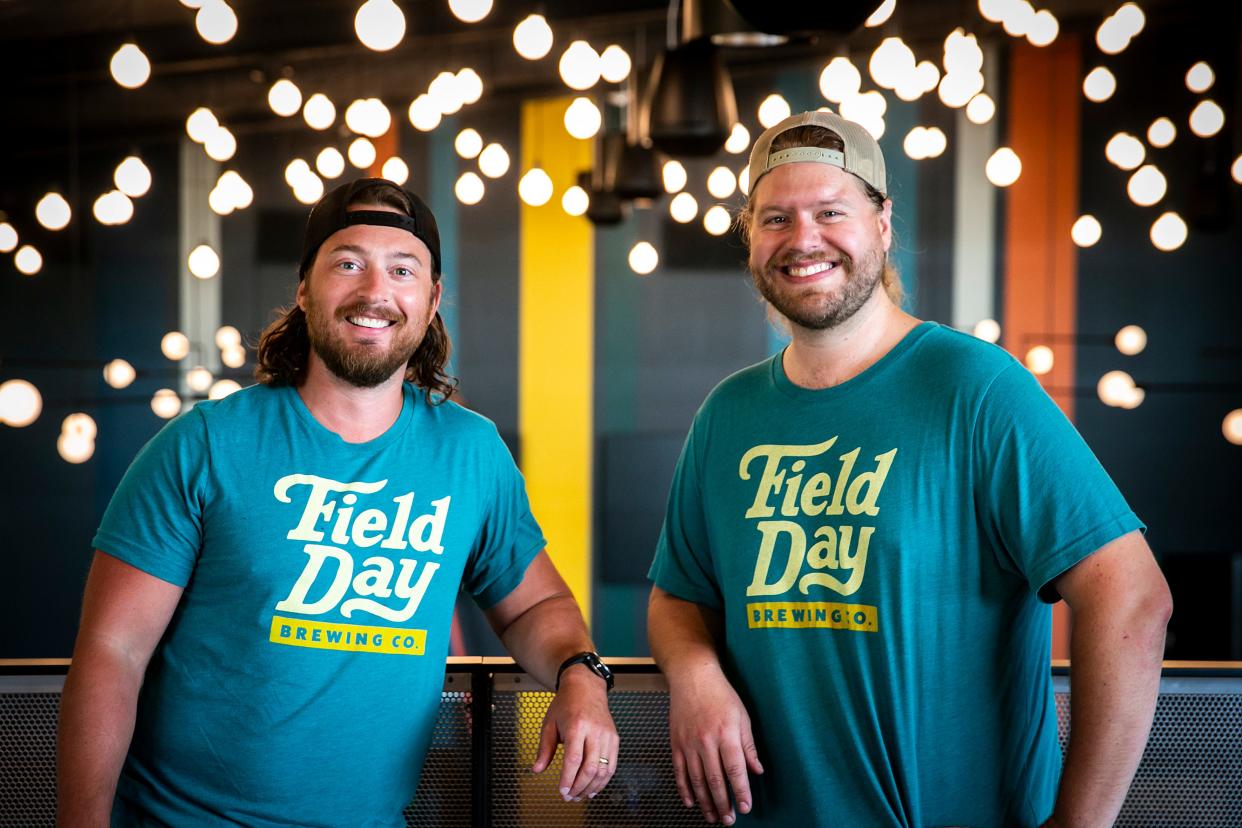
{"x":863,"y":538}
{"x":268,"y":612}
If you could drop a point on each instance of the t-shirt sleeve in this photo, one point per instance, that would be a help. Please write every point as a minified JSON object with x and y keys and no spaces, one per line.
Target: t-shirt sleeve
{"x":683,"y":558}
{"x":155,"y":519}
{"x":1047,"y":501}
{"x":509,"y":539}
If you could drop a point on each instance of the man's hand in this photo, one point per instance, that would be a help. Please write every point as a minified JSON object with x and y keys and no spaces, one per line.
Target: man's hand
{"x":579,"y":717}
{"x":711,"y":740}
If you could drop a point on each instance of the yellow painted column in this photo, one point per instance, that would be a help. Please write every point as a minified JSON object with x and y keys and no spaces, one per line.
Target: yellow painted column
{"x":556,"y":347}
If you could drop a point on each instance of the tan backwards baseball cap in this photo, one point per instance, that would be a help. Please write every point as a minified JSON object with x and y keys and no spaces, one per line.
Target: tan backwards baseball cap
{"x":861,"y":155}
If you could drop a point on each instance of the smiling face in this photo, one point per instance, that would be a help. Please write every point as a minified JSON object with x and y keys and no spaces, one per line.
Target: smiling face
{"x":818,"y":245}
{"x":368,"y":299}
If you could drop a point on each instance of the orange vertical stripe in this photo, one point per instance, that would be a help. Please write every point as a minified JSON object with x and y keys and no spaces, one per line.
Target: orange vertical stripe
{"x":1040,"y":208}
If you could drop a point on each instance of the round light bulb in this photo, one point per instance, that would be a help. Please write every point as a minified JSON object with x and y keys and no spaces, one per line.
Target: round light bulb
{"x":119,"y":374}
{"x":203,"y":262}
{"x":773,"y":110}
{"x":330,"y":162}
{"x":28,"y":260}
{"x":1130,"y":19}
{"x":717,"y":220}
{"x":296,"y":170}
{"x":989,"y":330}
{"x":957,"y":89}
{"x":175,"y":345}
{"x":839,"y":80}
{"x":396,"y":171}
{"x":1206,"y":119}
{"x":535,"y":187}
{"x":319,"y":111}
{"x":579,"y":66}
{"x":227,"y":337}
{"x":575,"y":201}
{"x":424,"y":113}
{"x":936,"y":142}
{"x":216,"y":22}
{"x":379,"y":24}
{"x":470,"y":11}
{"x":52,"y":211}
{"x":1018,"y":18}
{"x":1112,"y":36}
{"x":198,"y":379}
{"x":915,"y":143}
{"x":1003,"y":167}
{"x":165,"y":403}
{"x":674,"y":175}
{"x":743,"y":180}
{"x":614,"y":64}
{"x":309,"y":189}
{"x":469,"y":188}
{"x":220,"y":202}
{"x":721,"y":183}
{"x":20,"y":403}
{"x":1200,"y":77}
{"x":234,"y":356}
{"x":493,"y":161}
{"x":1161,"y":133}
{"x":361,"y":153}
{"x":113,"y":208}
{"x":80,"y":423}
{"x":468,"y":143}
{"x":130,"y":67}
{"x":284,"y":98}
{"x":1168,"y":232}
{"x":222,"y":388}
{"x":220,"y":144}
{"x":1231,"y":426}
{"x":1235,"y":170}
{"x":1099,"y":85}
{"x":75,"y":448}
{"x":738,"y":140}
{"x":445,"y":94}
{"x":643,"y":258}
{"x":1131,"y":340}
{"x":1086,"y":231}
{"x":683,"y":208}
{"x":1044,"y":28}
{"x":1115,"y":388}
{"x":469,"y":85}
{"x":132,"y":177}
{"x":981,"y":108}
{"x":1147,"y":186}
{"x":1125,"y":151}
{"x":200,"y":124}
{"x":532,"y":38}
{"x":583,"y":118}
{"x":1040,"y":359}
{"x":8,"y":237}
{"x":881,"y":15}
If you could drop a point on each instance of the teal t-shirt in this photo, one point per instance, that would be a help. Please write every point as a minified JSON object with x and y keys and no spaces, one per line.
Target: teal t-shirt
{"x":878,"y":551}
{"x":299,"y":680}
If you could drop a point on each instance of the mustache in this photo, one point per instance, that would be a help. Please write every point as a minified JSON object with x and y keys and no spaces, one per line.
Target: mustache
{"x":377,"y":311}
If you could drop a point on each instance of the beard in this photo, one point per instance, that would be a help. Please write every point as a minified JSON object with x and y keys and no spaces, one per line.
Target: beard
{"x":363,"y":365}
{"x":811,"y":306}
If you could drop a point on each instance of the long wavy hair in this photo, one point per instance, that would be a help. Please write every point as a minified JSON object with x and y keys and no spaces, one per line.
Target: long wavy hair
{"x":284,"y":345}
{"x":817,"y":136}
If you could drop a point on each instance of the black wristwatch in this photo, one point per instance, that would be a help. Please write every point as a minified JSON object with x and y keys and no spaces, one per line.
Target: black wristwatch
{"x":591,"y":660}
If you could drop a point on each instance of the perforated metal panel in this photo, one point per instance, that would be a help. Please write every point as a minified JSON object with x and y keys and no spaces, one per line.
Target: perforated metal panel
{"x":1191,"y":771}
{"x":28,"y":758}
{"x":443,"y":799}
{"x":642,"y":792}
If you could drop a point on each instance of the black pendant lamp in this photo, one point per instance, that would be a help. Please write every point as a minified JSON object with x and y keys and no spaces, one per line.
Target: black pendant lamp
{"x":689,"y":108}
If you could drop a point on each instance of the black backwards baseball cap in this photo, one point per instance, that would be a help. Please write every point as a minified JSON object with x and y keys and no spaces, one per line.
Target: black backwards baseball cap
{"x":331,"y":213}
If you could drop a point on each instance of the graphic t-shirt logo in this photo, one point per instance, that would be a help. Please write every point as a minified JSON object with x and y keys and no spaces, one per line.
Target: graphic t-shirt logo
{"x":362,"y":591}
{"x":836,"y":559}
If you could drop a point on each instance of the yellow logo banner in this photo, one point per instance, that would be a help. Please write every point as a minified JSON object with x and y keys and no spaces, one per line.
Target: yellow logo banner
{"x":812,"y":614}
{"x":319,"y":635}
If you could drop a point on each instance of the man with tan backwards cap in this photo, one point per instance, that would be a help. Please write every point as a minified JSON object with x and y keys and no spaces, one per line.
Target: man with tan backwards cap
{"x":277,"y":571}
{"x":863,"y":537}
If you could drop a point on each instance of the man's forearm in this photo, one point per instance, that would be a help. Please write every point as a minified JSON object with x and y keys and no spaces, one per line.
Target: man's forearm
{"x":97,"y":712}
{"x":545,"y":635}
{"x":1114,"y":681}
{"x":684,"y":638}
